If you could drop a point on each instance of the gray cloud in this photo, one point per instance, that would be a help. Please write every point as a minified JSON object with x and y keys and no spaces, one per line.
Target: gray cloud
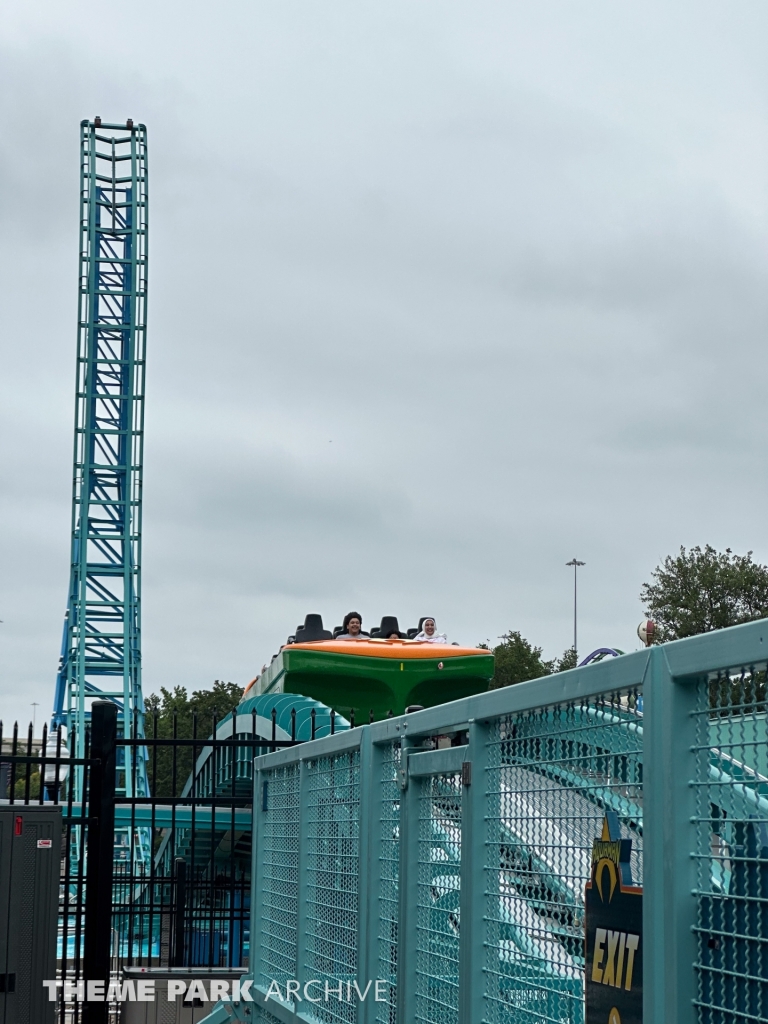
{"x":440,"y":297}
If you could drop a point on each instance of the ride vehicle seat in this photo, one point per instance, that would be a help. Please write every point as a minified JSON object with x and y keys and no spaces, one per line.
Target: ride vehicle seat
{"x":388,"y":626}
{"x":312,"y":630}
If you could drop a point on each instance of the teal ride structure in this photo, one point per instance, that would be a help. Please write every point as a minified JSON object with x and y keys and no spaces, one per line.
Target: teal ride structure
{"x":318,"y":684}
{"x":315,"y":686}
{"x":101,"y":643}
{"x":564,"y":770}
{"x":586,"y":761}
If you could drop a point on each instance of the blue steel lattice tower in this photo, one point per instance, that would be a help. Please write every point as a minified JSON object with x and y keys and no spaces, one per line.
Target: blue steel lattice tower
{"x":101,"y":647}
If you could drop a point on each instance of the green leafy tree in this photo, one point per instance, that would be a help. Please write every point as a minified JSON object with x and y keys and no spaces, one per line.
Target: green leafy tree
{"x":20,"y":788}
{"x":568,"y":660}
{"x":169,"y":767}
{"x":517,"y":660}
{"x":699,"y":590}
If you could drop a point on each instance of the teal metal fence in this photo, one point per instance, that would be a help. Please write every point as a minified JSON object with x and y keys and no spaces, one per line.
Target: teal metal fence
{"x":446,"y":854}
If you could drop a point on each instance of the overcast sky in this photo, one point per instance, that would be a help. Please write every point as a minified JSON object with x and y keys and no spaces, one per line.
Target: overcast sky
{"x":441,"y":296}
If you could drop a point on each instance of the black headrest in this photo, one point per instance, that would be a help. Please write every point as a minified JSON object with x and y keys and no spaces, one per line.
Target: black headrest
{"x":312,"y":630}
{"x":389,"y":625}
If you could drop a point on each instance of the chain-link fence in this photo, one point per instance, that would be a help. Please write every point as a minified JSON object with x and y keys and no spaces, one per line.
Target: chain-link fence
{"x":592,"y":846}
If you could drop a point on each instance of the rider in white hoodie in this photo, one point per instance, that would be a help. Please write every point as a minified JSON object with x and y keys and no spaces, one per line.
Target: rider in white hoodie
{"x":429,"y":634}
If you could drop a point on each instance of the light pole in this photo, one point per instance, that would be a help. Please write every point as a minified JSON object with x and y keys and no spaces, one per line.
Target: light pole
{"x":575,"y":563}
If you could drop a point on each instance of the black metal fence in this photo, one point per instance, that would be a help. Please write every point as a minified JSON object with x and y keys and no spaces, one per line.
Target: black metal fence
{"x":156,"y":844}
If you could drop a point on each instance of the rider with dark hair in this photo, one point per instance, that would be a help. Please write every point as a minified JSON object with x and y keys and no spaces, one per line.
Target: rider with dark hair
{"x":352,"y":627}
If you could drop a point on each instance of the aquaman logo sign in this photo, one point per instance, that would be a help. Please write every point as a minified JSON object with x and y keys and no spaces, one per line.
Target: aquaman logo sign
{"x":614,"y":928}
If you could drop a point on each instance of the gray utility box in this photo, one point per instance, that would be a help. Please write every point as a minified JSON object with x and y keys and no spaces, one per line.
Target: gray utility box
{"x":30,"y":863}
{"x":178,"y":1011}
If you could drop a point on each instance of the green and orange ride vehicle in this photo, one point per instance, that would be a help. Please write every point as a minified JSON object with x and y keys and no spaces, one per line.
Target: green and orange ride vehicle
{"x":366,"y":677}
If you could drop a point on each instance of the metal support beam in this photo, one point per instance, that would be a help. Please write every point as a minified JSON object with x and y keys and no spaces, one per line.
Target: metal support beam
{"x":408,"y":890}
{"x":474,"y":876}
{"x":669,"y":839}
{"x":101,"y":644}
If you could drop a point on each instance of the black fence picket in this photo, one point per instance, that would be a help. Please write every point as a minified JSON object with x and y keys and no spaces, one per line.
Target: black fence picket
{"x":179,"y":855}
{"x":99,"y":856}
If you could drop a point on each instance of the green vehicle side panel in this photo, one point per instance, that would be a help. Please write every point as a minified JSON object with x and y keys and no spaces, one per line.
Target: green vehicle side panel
{"x":348,"y":682}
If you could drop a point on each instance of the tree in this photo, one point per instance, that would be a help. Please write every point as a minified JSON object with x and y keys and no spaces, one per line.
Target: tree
{"x":569,"y":660}
{"x":701,"y":590}
{"x":20,"y":788}
{"x":517,"y":661}
{"x":169,"y":767}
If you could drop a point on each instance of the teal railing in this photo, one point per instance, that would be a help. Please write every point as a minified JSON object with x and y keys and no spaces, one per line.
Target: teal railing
{"x":444,"y":854}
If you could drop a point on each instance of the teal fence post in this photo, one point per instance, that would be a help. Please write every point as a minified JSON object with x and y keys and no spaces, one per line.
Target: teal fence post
{"x":474,"y":801}
{"x":408,"y":893}
{"x":669,"y":841}
{"x":257,"y":901}
{"x":367,"y":932}
{"x":305,"y":766}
